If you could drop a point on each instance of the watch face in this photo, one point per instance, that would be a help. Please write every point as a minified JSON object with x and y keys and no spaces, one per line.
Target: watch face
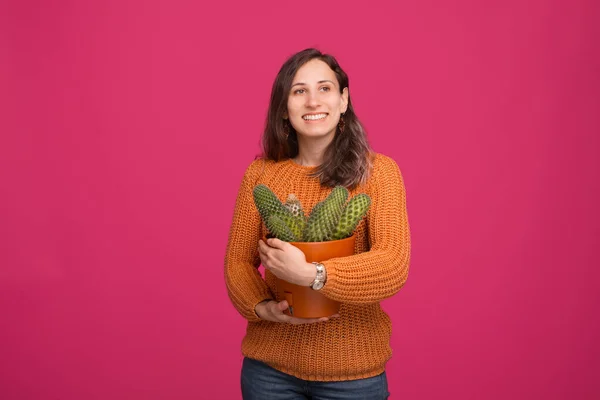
{"x":317,"y":285}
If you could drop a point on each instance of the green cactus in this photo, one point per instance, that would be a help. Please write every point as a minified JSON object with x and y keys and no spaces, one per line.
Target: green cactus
{"x":268,"y":204}
{"x":293,"y":204}
{"x":279,"y":229}
{"x":353,"y":213}
{"x":329,"y":219}
{"x":325,"y":216}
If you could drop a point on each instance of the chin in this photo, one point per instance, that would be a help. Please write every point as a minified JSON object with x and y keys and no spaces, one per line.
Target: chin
{"x":316,"y":133}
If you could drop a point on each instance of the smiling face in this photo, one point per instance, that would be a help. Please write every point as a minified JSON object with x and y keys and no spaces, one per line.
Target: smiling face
{"x":315,"y":102}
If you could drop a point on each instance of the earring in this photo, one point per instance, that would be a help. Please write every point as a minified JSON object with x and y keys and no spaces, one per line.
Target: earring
{"x":342,"y":124}
{"x":286,"y":129}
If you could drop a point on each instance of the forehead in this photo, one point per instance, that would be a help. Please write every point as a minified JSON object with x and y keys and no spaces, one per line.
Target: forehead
{"x":314,"y":71}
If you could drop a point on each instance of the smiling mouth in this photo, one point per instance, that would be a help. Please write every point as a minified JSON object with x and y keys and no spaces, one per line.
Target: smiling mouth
{"x":314,"y":117}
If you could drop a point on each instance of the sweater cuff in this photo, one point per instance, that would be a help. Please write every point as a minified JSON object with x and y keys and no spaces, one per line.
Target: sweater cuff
{"x":256,"y":317}
{"x":331,"y":277}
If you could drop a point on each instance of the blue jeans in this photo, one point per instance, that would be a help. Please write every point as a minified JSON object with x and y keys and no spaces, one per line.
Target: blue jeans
{"x":262,"y":382}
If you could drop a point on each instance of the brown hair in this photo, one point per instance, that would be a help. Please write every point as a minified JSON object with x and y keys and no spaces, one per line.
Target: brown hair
{"x":347,"y":159}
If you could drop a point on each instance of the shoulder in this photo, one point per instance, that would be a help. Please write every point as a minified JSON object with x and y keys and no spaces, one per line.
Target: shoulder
{"x":385,"y":173}
{"x":257,"y":167}
{"x":384,"y":165}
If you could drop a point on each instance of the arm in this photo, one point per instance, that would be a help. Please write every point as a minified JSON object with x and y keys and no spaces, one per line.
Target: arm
{"x":245,"y":287}
{"x":380,"y":272}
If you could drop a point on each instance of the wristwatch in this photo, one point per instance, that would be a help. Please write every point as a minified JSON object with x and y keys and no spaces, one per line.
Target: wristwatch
{"x":321,"y":277}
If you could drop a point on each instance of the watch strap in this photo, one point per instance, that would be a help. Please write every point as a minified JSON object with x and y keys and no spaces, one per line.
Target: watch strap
{"x":320,"y":278}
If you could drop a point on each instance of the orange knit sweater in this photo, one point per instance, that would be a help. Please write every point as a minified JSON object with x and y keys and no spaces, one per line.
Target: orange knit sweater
{"x":355,"y":345}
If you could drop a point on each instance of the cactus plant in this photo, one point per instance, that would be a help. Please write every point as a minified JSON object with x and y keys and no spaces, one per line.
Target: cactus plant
{"x":325,"y":216}
{"x":355,"y":209}
{"x":268,"y":204}
{"x":331,"y":219}
{"x":293,"y":204}
{"x":280,"y":229}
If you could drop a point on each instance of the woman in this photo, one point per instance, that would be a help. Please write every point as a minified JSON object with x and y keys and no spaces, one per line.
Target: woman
{"x":312,"y":142}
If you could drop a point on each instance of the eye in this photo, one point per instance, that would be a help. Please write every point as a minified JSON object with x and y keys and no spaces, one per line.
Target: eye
{"x":299,"y":91}
{"x":325,"y":88}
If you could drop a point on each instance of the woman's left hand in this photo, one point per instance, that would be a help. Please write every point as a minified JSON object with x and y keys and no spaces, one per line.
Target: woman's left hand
{"x":286,"y":261}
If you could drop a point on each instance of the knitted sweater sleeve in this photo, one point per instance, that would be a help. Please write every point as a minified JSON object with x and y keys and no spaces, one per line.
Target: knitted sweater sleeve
{"x":245,"y":286}
{"x":381,"y":271}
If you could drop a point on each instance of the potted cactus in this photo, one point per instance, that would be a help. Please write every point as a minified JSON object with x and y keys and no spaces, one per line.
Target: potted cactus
{"x":327,"y":232}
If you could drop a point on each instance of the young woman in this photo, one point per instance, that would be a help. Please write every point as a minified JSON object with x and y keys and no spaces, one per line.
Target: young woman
{"x":312,"y":142}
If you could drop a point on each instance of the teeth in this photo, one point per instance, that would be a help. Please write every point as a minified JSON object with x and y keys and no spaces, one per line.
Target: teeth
{"x":314,"y":117}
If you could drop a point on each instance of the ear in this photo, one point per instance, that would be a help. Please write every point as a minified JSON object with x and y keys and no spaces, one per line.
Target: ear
{"x":344,"y":105}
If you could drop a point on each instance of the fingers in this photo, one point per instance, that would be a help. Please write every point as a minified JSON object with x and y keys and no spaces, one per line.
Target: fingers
{"x":277,"y":243}
{"x":262,"y":253}
{"x":270,"y":243}
{"x":262,"y":247}
{"x":263,"y":250}
{"x":275,"y":313}
{"x":277,"y":309}
{"x":283,"y":305}
{"x":268,"y":256}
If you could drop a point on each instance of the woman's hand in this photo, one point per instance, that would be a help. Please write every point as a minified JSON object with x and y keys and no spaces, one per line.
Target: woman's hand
{"x":286,"y":262}
{"x":271,"y":310}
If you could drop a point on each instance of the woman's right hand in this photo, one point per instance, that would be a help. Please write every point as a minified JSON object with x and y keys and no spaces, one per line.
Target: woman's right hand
{"x":271,"y":310}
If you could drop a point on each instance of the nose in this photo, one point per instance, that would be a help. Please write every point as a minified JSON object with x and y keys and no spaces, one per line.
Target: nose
{"x":312,"y":99}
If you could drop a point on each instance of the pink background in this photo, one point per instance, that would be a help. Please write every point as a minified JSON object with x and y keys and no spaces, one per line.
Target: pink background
{"x":125,"y":127}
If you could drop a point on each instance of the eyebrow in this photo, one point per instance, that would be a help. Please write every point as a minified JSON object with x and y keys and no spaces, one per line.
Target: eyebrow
{"x":323,"y":81}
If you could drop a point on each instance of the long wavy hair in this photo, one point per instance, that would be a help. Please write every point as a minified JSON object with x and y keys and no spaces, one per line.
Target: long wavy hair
{"x":347,"y":160}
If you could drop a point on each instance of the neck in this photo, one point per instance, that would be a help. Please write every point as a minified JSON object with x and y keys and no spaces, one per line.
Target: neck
{"x":311,"y":150}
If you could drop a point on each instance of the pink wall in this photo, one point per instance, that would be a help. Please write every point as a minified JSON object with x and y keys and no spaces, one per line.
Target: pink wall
{"x":125,"y":127}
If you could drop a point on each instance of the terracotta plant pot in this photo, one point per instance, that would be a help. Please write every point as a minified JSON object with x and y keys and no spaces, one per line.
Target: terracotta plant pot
{"x":305,"y":302}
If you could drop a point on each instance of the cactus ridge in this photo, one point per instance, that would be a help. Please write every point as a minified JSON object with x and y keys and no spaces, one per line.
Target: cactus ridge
{"x":325,"y":216}
{"x":268,"y":204}
{"x":279,"y":229}
{"x":353,"y":213}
